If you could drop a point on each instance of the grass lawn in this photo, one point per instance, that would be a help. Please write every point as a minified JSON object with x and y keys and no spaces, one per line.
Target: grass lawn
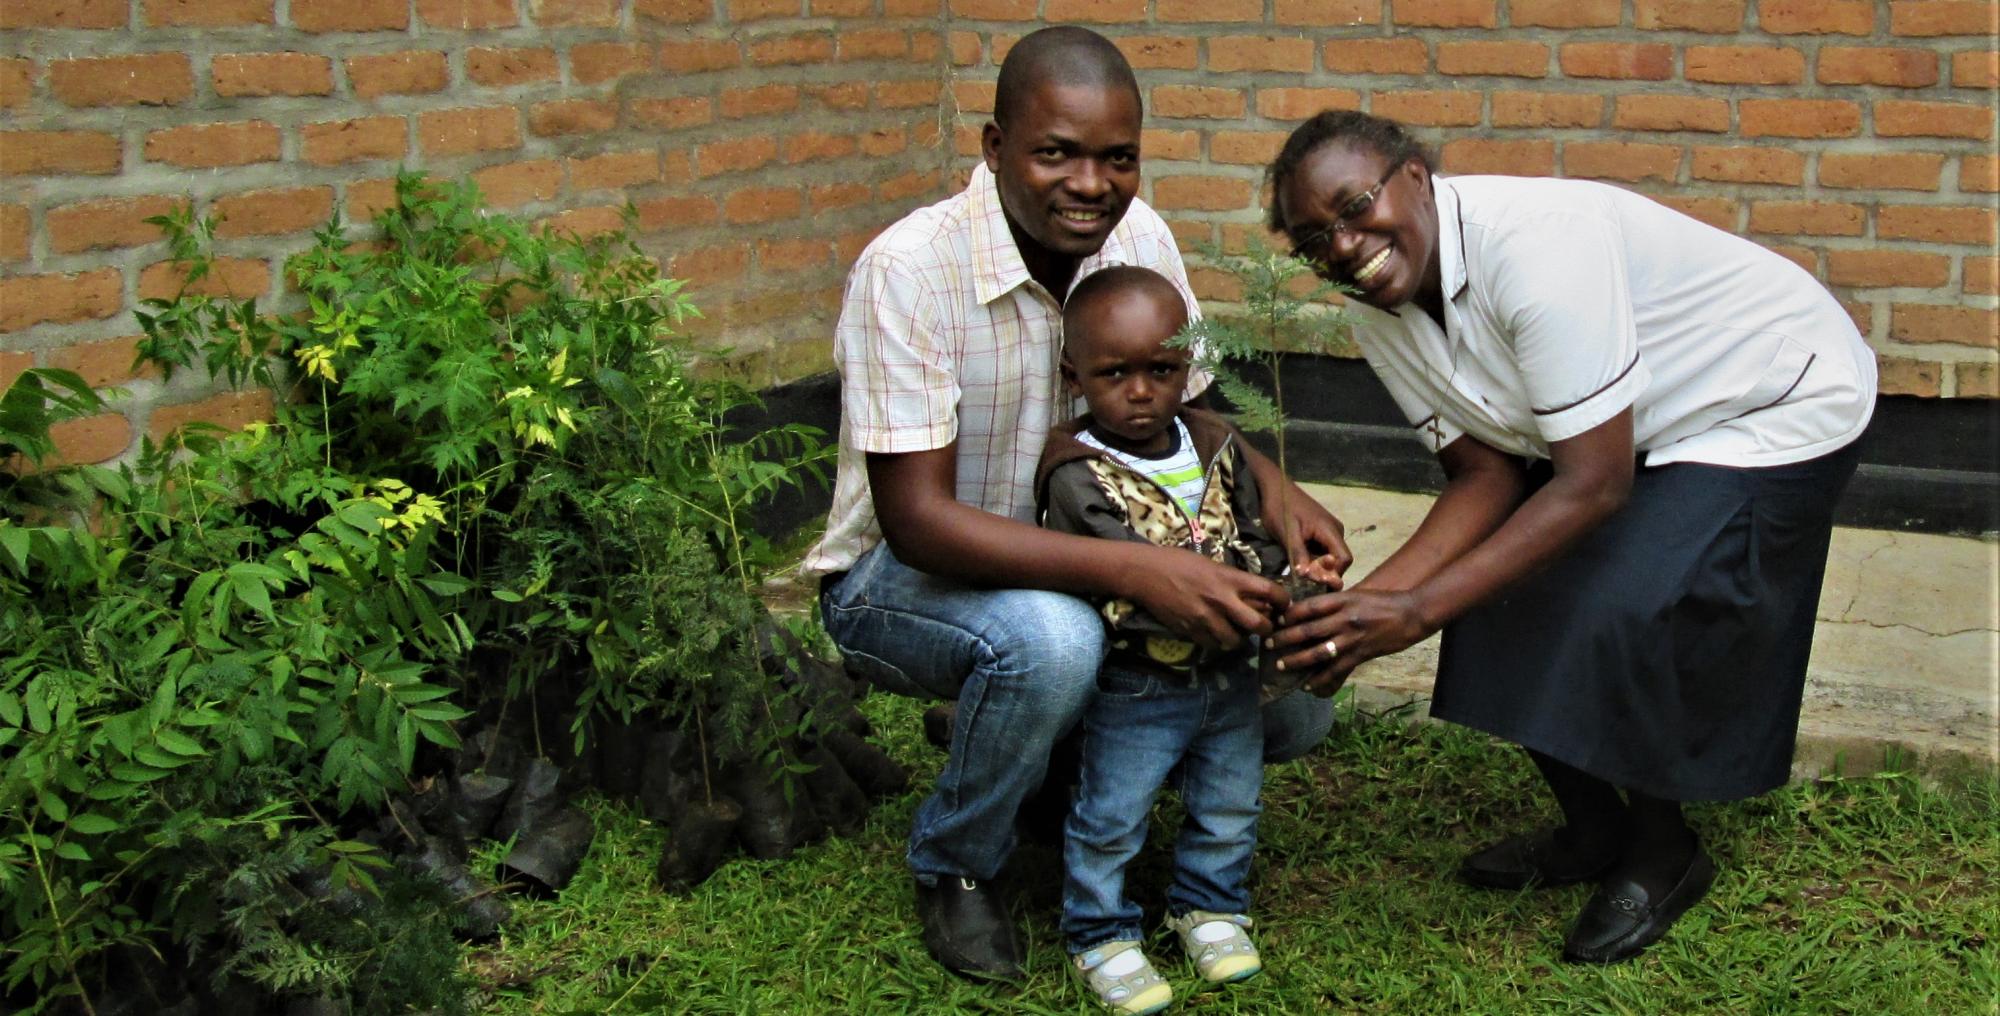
{"x":1870,"y":896}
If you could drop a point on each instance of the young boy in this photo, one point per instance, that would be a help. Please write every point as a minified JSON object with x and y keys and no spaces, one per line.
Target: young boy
{"x":1142,"y":466}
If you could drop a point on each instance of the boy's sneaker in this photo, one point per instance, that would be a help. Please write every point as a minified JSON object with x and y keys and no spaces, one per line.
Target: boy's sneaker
{"x":1219,"y":945}
{"x":1122,"y":978}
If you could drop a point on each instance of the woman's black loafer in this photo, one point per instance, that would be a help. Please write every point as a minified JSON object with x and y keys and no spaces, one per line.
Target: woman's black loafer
{"x":1529,"y":861}
{"x":1620,"y":920}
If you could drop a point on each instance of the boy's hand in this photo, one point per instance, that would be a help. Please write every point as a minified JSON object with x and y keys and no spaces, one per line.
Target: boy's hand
{"x":1200,"y":600}
{"x":1312,"y":532}
{"x":1325,"y":569}
{"x":1312,"y":527}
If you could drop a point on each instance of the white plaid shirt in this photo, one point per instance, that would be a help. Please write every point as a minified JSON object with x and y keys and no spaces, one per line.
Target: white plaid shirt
{"x":943,"y":336}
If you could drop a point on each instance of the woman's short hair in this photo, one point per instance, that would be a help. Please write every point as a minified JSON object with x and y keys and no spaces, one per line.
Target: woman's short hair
{"x":1349,"y":127}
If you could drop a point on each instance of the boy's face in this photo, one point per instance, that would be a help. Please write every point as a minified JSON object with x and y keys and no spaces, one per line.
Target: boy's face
{"x":1116,"y":358}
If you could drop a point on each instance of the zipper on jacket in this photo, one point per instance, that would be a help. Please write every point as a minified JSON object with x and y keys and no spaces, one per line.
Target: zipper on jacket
{"x":1196,"y":533}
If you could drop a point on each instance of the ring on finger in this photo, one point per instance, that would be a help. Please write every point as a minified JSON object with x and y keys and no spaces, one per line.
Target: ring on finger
{"x":1331,"y":649}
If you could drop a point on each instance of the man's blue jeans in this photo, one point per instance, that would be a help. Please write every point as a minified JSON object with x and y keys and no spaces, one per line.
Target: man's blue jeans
{"x":1022,"y":664}
{"x":1141,"y":729}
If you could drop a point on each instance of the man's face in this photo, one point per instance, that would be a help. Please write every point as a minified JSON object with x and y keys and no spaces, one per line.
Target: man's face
{"x":1066,"y":167}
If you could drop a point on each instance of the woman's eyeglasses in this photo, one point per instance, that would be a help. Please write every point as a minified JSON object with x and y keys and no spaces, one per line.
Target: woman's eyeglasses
{"x":1310,"y":248}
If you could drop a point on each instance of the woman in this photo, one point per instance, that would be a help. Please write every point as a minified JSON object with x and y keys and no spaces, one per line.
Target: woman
{"x":1644,"y":423}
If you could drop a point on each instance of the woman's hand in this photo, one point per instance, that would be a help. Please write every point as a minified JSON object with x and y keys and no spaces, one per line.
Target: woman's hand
{"x":1332,"y":634}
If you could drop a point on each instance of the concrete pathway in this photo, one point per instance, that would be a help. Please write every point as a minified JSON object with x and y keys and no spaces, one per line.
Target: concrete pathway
{"x":1906,"y":658}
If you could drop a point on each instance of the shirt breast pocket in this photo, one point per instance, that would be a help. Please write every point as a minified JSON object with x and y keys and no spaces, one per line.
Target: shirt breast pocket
{"x":1735,"y":373}
{"x":1778,"y":377}
{"x":1738,"y":374}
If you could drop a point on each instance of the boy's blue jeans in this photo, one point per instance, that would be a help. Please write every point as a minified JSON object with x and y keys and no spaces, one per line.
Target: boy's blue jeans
{"x":1022,"y":664}
{"x":1140,"y":730}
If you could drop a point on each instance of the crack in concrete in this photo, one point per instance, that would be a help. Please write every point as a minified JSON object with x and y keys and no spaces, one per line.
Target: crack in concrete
{"x":1860,"y":567}
{"x":1915,"y":628}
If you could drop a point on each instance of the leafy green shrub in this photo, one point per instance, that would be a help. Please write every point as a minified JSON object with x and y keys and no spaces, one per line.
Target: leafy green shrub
{"x":492,"y":472}
{"x":176,"y":675}
{"x":596,"y":491}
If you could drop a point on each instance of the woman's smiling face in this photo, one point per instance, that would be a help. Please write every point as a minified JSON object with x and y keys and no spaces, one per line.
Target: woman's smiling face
{"x":1385,"y":246}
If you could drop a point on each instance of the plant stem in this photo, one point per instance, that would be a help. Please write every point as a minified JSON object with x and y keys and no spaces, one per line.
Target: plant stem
{"x":701,"y":742}
{"x":1284,"y":467}
{"x":634,"y":986}
{"x":61,"y":926}
{"x":326,"y":425}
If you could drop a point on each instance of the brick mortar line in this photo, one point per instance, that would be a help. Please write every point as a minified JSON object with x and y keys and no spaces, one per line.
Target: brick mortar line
{"x":1740,"y":197}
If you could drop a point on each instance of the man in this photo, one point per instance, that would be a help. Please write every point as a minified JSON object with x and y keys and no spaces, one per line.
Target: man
{"x":936,"y":581}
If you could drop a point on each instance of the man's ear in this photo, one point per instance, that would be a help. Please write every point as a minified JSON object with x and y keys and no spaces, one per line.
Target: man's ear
{"x":989,"y":145}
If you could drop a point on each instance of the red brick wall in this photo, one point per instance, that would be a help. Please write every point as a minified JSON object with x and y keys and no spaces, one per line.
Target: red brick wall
{"x":764,"y":141}
{"x":1854,"y":137}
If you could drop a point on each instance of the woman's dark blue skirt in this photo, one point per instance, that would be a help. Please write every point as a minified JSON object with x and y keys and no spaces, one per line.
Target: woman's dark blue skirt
{"x":1666,"y":652}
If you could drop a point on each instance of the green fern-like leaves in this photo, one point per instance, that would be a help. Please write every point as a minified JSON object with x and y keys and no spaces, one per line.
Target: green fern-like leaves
{"x":488,"y":445}
{"x":1281,"y":313}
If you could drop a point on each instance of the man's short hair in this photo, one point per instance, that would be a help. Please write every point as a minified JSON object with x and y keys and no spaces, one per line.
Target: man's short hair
{"x":1061,"y":55}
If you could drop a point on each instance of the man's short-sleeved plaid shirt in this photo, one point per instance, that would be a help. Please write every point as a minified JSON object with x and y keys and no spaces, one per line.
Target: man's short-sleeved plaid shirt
{"x":944,"y":337}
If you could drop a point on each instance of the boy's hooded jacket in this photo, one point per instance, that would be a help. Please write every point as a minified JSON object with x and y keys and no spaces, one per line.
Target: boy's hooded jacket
{"x":1079,"y":489}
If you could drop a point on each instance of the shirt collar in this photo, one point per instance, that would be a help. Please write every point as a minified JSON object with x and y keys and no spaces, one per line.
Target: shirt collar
{"x":997,"y":268}
{"x":1450,"y":238}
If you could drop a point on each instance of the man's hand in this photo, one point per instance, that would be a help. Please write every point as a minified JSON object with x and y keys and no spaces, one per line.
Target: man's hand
{"x":1202,"y":601}
{"x":930,"y":530}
